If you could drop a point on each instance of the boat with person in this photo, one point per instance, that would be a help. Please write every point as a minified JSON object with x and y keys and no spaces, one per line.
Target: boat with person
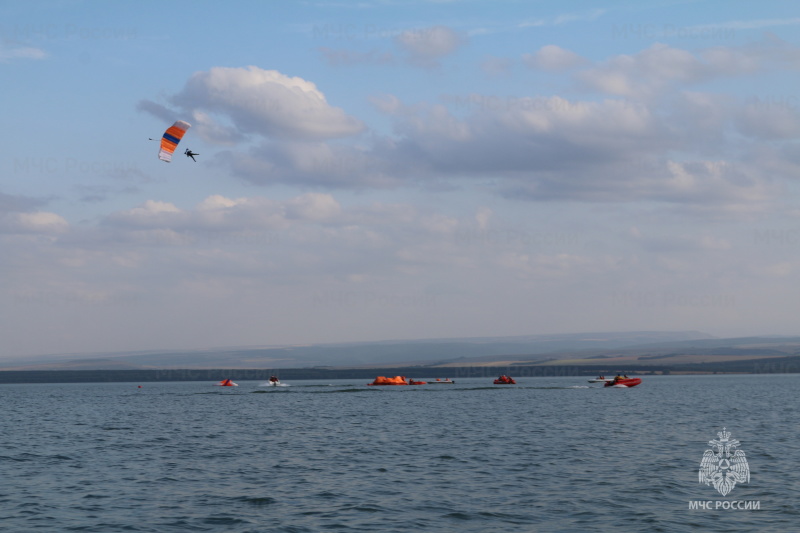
{"x":438,"y":381}
{"x":273,"y":382}
{"x":505,"y":380}
{"x":623,"y":382}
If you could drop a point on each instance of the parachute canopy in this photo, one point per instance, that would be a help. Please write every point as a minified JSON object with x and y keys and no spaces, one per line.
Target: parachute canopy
{"x":171,"y":138}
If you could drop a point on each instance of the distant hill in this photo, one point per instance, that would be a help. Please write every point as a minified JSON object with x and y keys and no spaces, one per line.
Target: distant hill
{"x":699,"y":355}
{"x":427,"y":352}
{"x":524,"y":356}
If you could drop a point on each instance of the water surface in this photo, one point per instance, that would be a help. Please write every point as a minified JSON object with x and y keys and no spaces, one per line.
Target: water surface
{"x":547,"y":454}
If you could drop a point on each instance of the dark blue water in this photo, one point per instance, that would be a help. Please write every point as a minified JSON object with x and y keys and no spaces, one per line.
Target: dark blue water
{"x":548,"y":454}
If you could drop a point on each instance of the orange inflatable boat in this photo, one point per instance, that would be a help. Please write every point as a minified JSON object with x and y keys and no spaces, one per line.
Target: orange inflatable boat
{"x":382,"y":380}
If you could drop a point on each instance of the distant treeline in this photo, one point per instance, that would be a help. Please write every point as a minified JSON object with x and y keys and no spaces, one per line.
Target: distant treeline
{"x":778,"y":365}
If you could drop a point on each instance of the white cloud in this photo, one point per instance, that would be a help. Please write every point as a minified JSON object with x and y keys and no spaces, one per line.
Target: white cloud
{"x":10,"y":203}
{"x":159,"y":111}
{"x":9,"y":52}
{"x":151,"y":214}
{"x":496,"y":66}
{"x":23,"y":215}
{"x":615,"y":150}
{"x":152,"y":207}
{"x":770,"y":119}
{"x":34,"y":222}
{"x":552,"y":57}
{"x":662,"y":67}
{"x":482,"y":217}
{"x":213,"y":132}
{"x":527,"y":135}
{"x":426,"y":46}
{"x":313,"y":164}
{"x":543,"y":266}
{"x":653,"y":141}
{"x":264,"y":102}
{"x":218,"y":202}
{"x":313,"y":206}
{"x":386,"y":103}
{"x":644,"y":73}
{"x":219,"y":213}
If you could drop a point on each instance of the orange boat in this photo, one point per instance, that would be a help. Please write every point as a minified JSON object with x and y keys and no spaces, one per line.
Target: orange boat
{"x":623,"y":382}
{"x":382,"y":380}
{"x":227,"y":383}
{"x":412,"y":382}
{"x":505,"y":380}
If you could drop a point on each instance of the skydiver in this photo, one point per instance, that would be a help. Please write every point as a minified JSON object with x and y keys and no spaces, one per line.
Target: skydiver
{"x":191,"y":154}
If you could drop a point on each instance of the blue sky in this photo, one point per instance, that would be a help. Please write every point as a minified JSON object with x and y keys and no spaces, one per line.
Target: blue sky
{"x":376,"y":170}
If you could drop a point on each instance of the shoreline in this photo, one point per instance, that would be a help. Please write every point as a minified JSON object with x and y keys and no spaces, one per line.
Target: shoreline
{"x":288,"y":374}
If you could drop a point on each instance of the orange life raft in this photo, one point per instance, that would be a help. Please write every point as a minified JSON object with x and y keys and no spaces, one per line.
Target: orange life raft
{"x":382,"y":380}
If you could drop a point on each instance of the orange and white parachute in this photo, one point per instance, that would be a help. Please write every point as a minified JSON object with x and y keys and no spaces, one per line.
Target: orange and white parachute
{"x":171,"y":138}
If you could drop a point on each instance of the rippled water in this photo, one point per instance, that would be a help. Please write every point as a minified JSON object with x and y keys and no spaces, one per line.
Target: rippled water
{"x":548,"y":454}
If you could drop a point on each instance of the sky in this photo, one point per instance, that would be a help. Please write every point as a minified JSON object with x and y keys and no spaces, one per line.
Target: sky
{"x":386,"y":169}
